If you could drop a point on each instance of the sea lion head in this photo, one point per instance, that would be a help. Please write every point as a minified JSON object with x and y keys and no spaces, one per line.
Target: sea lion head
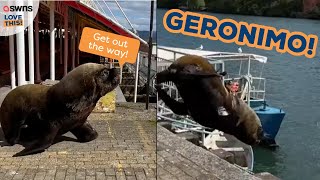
{"x":107,"y":79}
{"x":89,"y":80}
{"x":94,"y":74}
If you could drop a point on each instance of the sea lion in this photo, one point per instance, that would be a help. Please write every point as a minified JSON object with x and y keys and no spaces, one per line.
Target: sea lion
{"x":206,"y":99}
{"x":36,"y":114}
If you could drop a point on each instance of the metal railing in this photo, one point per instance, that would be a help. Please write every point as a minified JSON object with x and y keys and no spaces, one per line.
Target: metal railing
{"x":257,"y":86}
{"x":98,"y":6}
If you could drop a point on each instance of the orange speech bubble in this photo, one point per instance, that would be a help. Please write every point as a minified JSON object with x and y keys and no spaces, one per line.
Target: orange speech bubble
{"x":110,"y":45}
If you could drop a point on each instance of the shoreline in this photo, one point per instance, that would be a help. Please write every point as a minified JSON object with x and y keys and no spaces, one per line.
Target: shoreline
{"x":296,"y":15}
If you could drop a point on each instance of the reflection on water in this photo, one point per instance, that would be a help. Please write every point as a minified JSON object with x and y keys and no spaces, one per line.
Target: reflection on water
{"x":292,"y":84}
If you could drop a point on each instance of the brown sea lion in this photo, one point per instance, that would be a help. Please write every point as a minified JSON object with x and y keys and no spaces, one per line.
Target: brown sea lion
{"x":206,"y":99}
{"x":36,"y":114}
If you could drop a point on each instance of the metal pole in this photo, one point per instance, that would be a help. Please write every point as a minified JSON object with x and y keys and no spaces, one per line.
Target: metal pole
{"x":149,"y":54}
{"x":249,"y":82}
{"x":101,"y":8}
{"x":111,"y":12}
{"x":136,"y":79}
{"x":124,"y":14}
{"x":61,"y":38}
{"x":37,"y":48}
{"x":12,"y":63}
{"x":31,"y":48}
{"x":223,"y":67}
{"x":66,"y":41}
{"x":78,"y":41}
{"x":73,"y":41}
{"x":249,"y":66}
{"x":120,"y":74}
{"x":21,"y":51}
{"x":52,"y":42}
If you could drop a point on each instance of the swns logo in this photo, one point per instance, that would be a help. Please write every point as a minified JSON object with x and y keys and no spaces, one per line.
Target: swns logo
{"x":14,"y":20}
{"x":17,"y":8}
{"x":17,"y":15}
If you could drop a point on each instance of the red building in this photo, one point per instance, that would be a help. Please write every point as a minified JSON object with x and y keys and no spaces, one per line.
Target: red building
{"x":23,"y":63}
{"x":309,"y":5}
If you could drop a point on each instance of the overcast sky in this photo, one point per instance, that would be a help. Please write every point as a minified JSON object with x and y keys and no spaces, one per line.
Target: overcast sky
{"x":138,"y":12}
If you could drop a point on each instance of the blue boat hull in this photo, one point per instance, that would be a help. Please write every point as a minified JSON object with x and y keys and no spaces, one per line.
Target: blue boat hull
{"x":271,"y":119}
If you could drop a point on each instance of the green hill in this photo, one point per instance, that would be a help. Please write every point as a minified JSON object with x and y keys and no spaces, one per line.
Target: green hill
{"x":276,"y":8}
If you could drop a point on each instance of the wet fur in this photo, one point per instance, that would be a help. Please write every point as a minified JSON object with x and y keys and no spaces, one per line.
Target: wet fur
{"x":203,"y":94}
{"x":34,"y":115}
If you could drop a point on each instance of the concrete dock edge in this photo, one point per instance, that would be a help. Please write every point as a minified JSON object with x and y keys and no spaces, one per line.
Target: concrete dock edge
{"x":194,"y":162}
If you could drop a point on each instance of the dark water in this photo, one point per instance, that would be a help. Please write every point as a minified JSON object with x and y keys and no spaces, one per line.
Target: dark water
{"x":293,"y":83}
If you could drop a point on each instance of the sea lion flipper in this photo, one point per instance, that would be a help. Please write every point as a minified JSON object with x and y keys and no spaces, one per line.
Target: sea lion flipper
{"x":85,"y":133}
{"x":177,"y":107}
{"x":39,"y":145}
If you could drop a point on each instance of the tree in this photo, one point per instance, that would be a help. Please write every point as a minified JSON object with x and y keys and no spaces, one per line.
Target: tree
{"x":168,"y":3}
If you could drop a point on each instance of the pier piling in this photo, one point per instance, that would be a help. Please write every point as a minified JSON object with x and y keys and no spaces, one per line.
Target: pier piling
{"x":52,"y":41}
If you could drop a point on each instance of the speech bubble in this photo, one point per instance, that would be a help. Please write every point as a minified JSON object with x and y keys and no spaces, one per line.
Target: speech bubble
{"x":110,"y":45}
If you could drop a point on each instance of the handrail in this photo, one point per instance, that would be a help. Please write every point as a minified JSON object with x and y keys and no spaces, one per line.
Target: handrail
{"x":100,"y":8}
{"x":256,"y":93}
{"x":117,"y":24}
{"x":135,"y":31}
{"x":254,"y":78}
{"x":111,"y":12}
{"x":253,"y":88}
{"x":219,"y":55}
